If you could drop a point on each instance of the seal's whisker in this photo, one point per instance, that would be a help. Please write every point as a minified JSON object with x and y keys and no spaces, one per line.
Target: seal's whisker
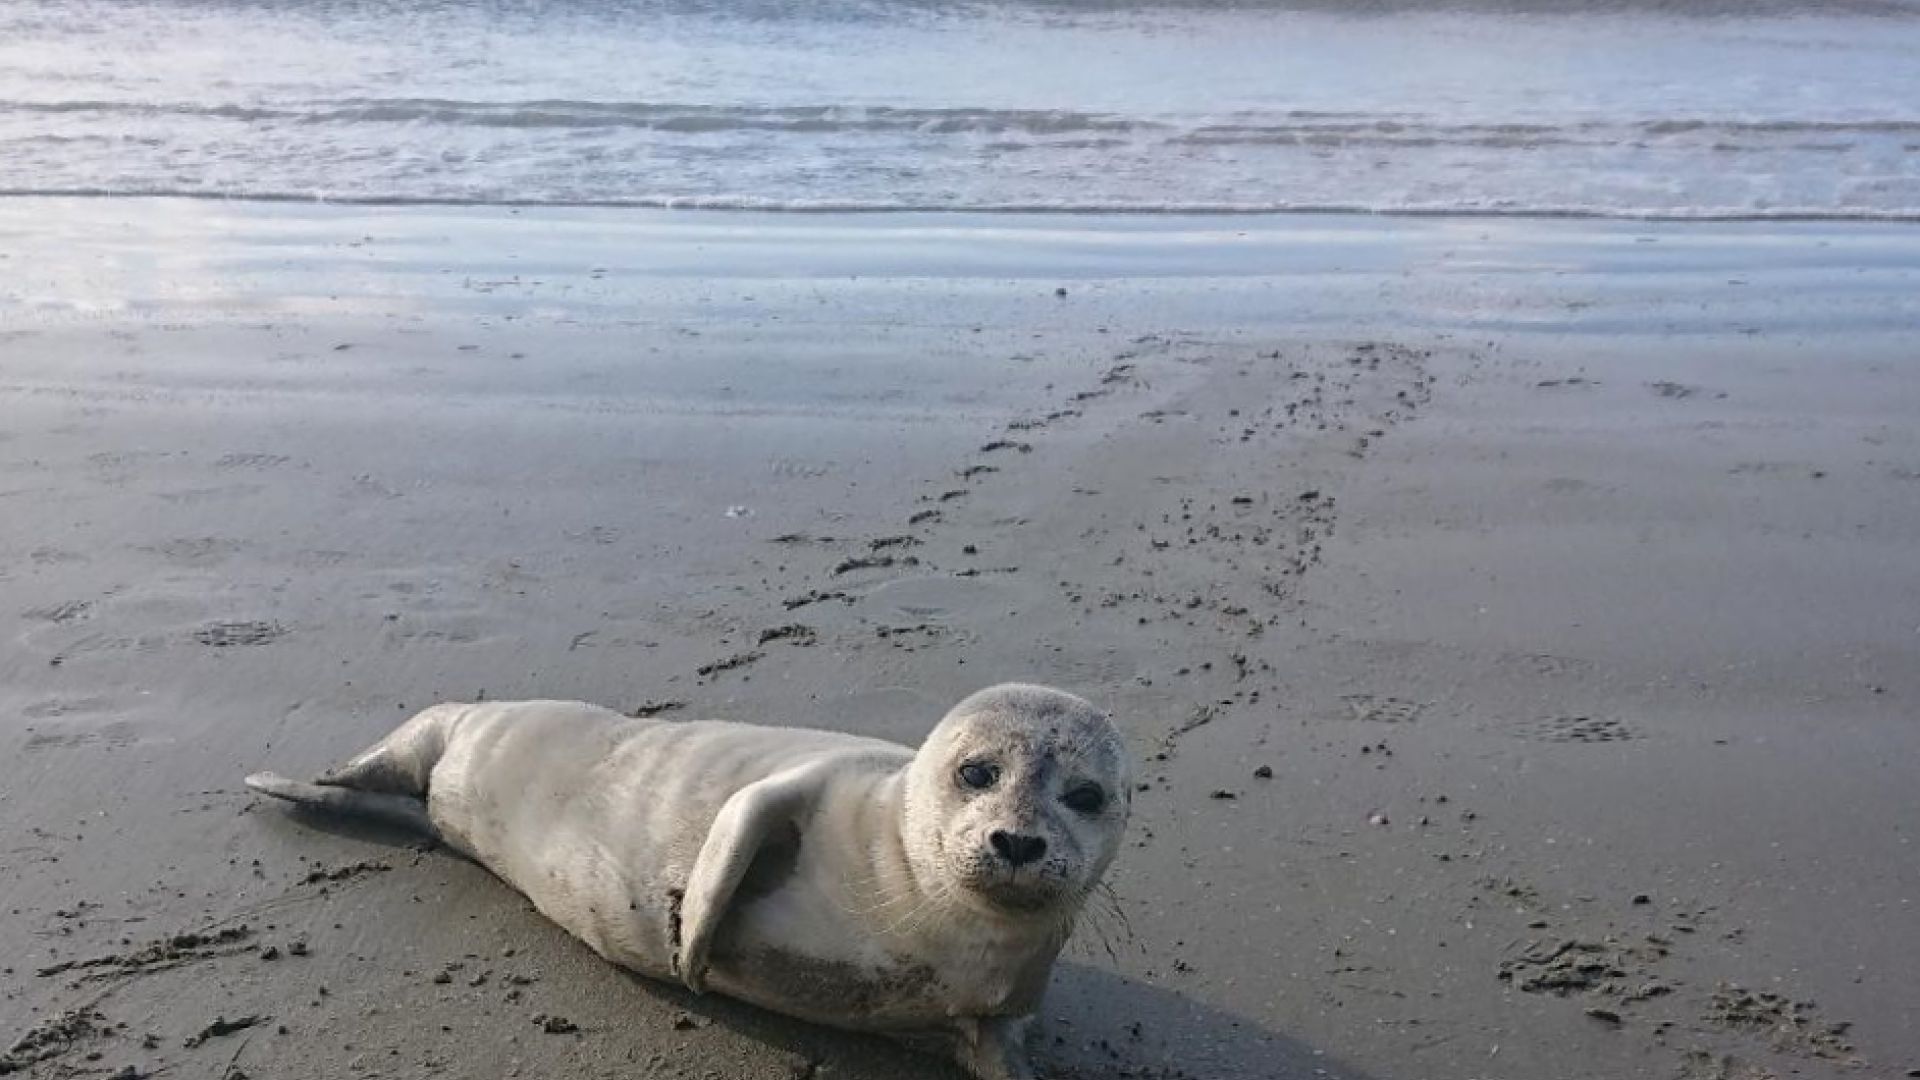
{"x":908,"y":922}
{"x":1118,"y":911}
{"x":874,"y":909}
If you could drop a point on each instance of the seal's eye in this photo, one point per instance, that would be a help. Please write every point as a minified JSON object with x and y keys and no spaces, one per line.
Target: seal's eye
{"x":1086,"y":799}
{"x":979,"y":774}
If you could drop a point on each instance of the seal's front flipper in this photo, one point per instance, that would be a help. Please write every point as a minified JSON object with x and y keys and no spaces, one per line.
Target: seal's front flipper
{"x":752,"y":816}
{"x":402,"y":810}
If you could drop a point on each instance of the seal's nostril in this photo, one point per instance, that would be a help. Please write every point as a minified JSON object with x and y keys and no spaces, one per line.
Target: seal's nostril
{"x":1016,"y":849}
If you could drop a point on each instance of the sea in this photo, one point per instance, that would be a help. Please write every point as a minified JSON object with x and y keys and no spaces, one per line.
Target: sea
{"x":1639,"y":109}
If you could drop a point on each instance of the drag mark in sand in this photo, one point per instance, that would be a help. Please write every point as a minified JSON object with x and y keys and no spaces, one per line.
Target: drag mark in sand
{"x":159,"y":955}
{"x":53,"y":708}
{"x":1789,"y":1026}
{"x":53,"y":1037}
{"x":901,"y":637}
{"x":1202,"y":716}
{"x":814,"y":596}
{"x":224,"y":635}
{"x":251,"y":461}
{"x":871,"y":562}
{"x":326,"y":874}
{"x":59,"y":613}
{"x":1607,"y":968}
{"x":220,"y":1027}
{"x":197,"y":551}
{"x":1373,"y":708}
{"x":731,"y":663}
{"x":792,"y":633}
{"x":115,"y":735}
{"x":1615,"y":977}
{"x":1573,"y":729}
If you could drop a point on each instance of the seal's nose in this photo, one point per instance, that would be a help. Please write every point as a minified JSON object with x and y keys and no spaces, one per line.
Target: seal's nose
{"x":1016,"y":849}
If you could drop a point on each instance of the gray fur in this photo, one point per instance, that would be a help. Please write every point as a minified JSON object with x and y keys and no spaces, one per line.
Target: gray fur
{"x":845,"y":880}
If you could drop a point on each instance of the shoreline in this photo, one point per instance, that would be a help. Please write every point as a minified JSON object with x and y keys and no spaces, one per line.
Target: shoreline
{"x":1603,"y":593}
{"x":724,"y":205}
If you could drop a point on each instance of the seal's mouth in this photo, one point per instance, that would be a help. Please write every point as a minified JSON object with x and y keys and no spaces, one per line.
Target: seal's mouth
{"x":1024,"y":893}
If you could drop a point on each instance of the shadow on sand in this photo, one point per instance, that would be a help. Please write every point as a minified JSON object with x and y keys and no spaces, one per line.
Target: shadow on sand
{"x":1096,"y":1025}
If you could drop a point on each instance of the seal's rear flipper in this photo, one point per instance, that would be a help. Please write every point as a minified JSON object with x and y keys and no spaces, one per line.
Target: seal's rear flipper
{"x":402,"y":810}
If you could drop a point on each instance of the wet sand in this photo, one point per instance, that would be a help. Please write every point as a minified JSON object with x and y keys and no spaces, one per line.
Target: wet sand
{"x":1515,"y":621}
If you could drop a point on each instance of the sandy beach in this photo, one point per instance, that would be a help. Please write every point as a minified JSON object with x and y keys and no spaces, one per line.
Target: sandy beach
{"x":1517,"y":621}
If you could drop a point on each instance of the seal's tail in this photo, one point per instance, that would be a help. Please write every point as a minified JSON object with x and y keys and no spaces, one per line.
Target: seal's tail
{"x":406,"y":811}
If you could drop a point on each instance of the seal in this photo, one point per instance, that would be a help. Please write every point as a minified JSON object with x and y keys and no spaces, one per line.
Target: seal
{"x":849,"y":881}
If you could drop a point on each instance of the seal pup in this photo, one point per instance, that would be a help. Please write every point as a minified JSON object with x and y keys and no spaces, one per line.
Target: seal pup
{"x":849,"y":881}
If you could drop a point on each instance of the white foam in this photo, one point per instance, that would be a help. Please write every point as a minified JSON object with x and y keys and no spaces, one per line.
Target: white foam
{"x":1146,"y":110}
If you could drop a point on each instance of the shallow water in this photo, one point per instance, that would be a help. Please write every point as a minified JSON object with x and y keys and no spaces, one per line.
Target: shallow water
{"x":68,"y":262}
{"x":1629,"y":110}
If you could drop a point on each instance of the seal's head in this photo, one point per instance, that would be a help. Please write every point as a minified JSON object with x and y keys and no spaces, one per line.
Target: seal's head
{"x":1018,"y":799}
